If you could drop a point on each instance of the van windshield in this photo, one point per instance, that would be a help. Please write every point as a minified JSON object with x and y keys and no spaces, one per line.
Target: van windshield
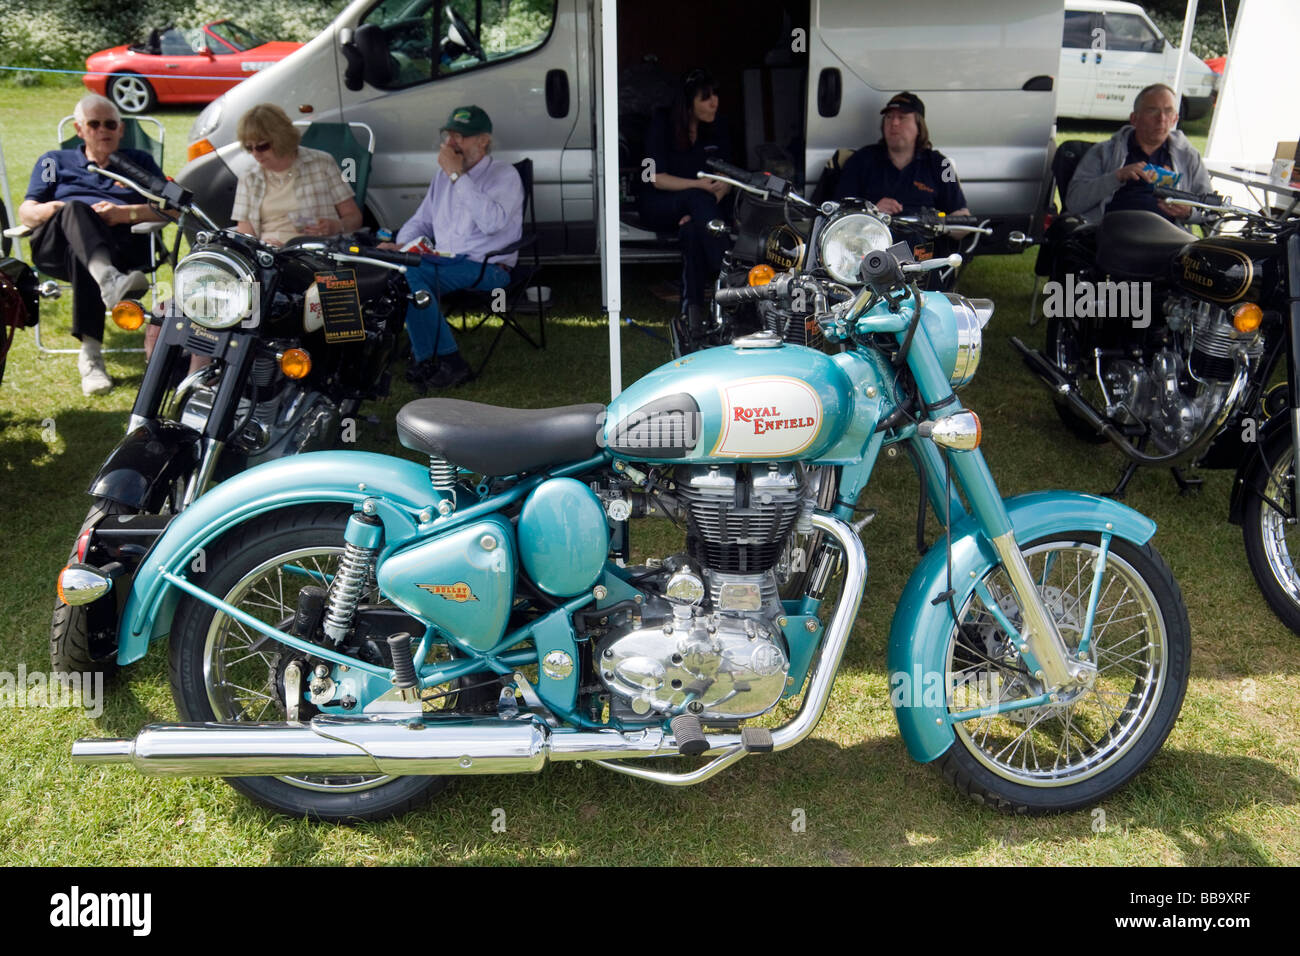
{"x":426,"y":39}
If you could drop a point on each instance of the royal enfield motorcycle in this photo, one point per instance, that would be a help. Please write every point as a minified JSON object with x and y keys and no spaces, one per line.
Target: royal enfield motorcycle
{"x":296,"y":338}
{"x":363,"y":628}
{"x":777,"y":231}
{"x":1207,"y":377}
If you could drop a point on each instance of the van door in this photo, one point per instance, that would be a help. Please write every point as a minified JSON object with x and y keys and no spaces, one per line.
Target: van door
{"x":1077,"y":81}
{"x":423,"y":58}
{"x":1133,"y":59}
{"x":983,"y":68}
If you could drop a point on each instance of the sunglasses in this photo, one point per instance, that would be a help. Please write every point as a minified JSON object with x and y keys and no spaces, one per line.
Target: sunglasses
{"x":257,"y":147}
{"x":109,"y":125}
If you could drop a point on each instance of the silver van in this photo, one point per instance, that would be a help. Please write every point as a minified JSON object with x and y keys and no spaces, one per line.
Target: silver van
{"x":798,"y":79}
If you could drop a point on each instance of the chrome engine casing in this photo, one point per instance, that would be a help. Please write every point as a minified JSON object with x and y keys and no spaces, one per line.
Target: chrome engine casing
{"x":291,"y":422}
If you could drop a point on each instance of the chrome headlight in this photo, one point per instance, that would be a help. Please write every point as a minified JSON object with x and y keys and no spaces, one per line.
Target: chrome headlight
{"x":971,"y":316}
{"x":847,"y":240}
{"x":215,"y":289}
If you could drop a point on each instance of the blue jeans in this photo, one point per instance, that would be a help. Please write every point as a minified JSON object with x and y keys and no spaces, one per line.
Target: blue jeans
{"x":438,"y":275}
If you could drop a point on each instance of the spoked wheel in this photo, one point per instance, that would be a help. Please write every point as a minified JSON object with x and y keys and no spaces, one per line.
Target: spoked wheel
{"x":1063,"y":350}
{"x":1270,"y":531}
{"x":224,"y":671}
{"x":1071,"y":752}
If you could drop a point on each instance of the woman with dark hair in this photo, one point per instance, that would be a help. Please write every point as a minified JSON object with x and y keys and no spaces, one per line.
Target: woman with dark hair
{"x":679,"y":142}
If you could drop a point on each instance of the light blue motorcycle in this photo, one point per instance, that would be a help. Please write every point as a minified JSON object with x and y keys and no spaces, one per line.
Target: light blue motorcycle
{"x":349,"y":630}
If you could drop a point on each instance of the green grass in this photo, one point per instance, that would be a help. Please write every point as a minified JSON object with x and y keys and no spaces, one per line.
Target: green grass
{"x":1225,"y":789}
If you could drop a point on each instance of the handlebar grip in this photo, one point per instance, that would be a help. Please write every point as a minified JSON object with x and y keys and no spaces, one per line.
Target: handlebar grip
{"x":411,"y":259}
{"x":132,"y":170}
{"x":726,"y":169}
{"x":744,"y":294}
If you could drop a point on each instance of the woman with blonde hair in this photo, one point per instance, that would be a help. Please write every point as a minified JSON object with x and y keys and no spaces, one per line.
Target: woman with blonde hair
{"x":292,"y":190}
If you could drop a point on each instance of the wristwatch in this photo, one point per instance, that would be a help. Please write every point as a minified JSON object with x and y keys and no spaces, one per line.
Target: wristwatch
{"x":453,"y":176}
{"x":135,"y":215}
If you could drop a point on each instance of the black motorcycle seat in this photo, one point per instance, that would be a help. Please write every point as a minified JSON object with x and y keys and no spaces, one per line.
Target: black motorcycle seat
{"x":1136,"y":244}
{"x":494,"y":441}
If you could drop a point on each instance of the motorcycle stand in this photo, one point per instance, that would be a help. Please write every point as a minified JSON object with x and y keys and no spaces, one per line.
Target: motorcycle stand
{"x":1186,"y":485}
{"x":1117,"y":493}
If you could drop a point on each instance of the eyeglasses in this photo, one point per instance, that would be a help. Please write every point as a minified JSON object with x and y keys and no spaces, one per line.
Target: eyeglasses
{"x":1159,"y":111}
{"x":109,"y":125}
{"x":256,"y":147}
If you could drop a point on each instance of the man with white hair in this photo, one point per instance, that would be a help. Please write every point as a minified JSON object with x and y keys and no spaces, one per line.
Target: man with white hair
{"x":81,"y":224}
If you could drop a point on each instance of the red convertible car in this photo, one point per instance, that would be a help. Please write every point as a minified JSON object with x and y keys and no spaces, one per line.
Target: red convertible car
{"x":176,"y":65}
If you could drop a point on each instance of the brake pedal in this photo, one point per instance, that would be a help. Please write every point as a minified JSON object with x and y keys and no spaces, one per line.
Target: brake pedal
{"x":691,"y":741}
{"x":756,"y":740}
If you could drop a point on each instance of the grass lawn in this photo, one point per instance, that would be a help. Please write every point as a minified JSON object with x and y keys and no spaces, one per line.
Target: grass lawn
{"x":1225,"y":789}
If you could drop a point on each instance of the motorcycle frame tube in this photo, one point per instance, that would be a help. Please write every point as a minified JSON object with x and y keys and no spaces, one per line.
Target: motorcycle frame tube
{"x":972,"y":474}
{"x":921,"y":629}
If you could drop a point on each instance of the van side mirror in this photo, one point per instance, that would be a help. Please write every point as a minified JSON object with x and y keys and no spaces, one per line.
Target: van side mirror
{"x":376,"y":63}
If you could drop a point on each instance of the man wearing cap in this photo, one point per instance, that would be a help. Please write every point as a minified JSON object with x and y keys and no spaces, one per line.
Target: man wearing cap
{"x":902,"y":172}
{"x":1120,"y":173}
{"x":475,"y":205}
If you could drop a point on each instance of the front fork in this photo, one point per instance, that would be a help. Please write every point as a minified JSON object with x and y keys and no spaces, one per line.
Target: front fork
{"x":1293,"y":356}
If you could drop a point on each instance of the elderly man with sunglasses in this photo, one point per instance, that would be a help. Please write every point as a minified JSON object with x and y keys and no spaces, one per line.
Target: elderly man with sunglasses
{"x":81,"y":224}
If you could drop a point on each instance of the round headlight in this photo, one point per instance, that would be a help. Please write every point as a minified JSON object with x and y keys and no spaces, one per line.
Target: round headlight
{"x":846,"y":241}
{"x":215,"y":289}
{"x":971,"y":316}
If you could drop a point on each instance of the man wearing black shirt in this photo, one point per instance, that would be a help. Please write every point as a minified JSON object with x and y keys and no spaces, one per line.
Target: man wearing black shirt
{"x":902,"y":173}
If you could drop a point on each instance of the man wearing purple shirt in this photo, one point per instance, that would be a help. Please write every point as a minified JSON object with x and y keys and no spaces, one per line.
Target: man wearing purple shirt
{"x":474,"y":206}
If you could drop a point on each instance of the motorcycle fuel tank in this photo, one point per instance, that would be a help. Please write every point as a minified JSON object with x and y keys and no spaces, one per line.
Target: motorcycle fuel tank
{"x":755,"y":400}
{"x":462,"y":581}
{"x":1224,"y":269}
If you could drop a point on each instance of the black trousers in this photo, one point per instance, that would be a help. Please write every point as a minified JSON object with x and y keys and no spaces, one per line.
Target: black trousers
{"x":701,"y":252}
{"x":62,"y":247}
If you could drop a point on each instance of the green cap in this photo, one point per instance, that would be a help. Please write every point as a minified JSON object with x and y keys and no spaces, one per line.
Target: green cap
{"x":469,"y":120}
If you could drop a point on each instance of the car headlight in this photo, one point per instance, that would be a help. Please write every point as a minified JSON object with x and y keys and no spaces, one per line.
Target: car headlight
{"x":215,"y":289}
{"x":207,"y":120}
{"x":970,"y":315}
{"x":847,"y":240}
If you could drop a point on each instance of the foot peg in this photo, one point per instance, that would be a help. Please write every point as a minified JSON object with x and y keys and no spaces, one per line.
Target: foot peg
{"x":404,"y":676}
{"x":756,"y":740}
{"x":691,"y":741}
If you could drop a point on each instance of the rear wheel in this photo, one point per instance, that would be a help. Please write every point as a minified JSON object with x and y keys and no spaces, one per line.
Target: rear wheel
{"x":131,"y":93}
{"x":1075,"y":750}
{"x":1271,"y":535}
{"x":222,"y":671}
{"x":1063,"y":350}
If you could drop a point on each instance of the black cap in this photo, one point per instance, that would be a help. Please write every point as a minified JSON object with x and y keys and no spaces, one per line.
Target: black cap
{"x":906,"y":102}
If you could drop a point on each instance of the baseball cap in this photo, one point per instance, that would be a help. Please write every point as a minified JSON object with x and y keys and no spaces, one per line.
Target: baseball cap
{"x":906,"y":102}
{"x":470,"y":120}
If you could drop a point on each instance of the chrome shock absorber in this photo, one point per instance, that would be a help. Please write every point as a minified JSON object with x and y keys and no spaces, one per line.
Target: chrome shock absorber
{"x":442,"y":475}
{"x":362,"y":538}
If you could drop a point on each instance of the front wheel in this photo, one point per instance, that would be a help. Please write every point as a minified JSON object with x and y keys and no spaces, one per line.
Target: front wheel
{"x":221,"y":671}
{"x":1269,"y":528}
{"x":81,"y":640}
{"x":1085,"y":744}
{"x":131,"y":93}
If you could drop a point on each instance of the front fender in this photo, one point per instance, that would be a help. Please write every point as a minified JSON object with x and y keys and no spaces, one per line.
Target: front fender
{"x":400,"y":488}
{"x":918,"y":637}
{"x":140,"y":470}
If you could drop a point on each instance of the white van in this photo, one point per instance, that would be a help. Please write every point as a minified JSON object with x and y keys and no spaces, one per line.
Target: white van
{"x":808,"y":76}
{"x":1110,"y":51}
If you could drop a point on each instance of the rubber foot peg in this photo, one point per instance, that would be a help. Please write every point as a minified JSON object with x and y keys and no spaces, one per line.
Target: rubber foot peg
{"x":403,"y":666}
{"x":756,"y":740}
{"x":307,"y":616}
{"x":691,"y":741}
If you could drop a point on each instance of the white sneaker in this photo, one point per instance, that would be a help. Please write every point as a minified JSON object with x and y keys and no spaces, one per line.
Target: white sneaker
{"x":94,"y":377}
{"x":123,"y":285}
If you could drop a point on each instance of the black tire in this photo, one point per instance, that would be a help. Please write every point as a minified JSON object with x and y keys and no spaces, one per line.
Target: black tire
{"x":78,"y":646}
{"x":1269,"y":485}
{"x":297,"y":535}
{"x":131,"y":93}
{"x":1121,"y":736}
{"x":1062,"y":349}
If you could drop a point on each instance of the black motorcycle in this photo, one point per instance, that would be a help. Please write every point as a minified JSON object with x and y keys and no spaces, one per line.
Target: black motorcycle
{"x":296,"y":338}
{"x":1193,"y":376}
{"x":779,"y":236}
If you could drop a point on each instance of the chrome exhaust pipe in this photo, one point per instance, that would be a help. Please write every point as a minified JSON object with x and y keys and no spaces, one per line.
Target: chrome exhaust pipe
{"x":438,"y":745}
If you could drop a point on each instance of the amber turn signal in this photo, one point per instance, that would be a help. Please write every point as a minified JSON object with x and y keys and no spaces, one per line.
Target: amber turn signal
{"x":295,"y":363}
{"x":1247,"y":318}
{"x":761,"y":274}
{"x":128,"y":314}
{"x":199,"y":148}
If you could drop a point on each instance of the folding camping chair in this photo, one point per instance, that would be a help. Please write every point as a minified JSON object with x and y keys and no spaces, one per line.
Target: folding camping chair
{"x":338,"y":140}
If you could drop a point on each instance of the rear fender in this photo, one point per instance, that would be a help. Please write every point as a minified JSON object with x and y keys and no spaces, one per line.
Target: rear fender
{"x":400,"y":489}
{"x":918,"y":637}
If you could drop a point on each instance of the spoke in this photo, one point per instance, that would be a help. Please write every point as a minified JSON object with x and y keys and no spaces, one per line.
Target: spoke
{"x":246,"y":657}
{"x":254,"y":693}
